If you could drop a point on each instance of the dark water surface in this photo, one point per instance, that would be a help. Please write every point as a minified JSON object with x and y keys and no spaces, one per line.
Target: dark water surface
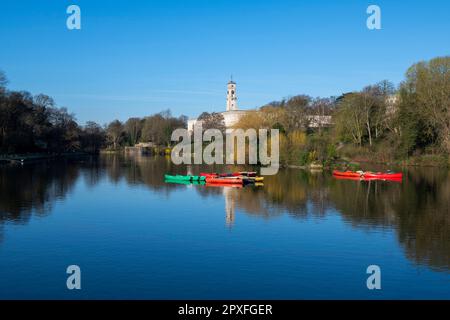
{"x":302,"y":235}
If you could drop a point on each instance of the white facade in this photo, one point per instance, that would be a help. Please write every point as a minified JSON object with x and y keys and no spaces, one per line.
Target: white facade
{"x":191,"y":123}
{"x":232,"y":117}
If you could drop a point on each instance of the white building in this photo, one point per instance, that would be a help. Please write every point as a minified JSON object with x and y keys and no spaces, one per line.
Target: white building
{"x":232,"y":115}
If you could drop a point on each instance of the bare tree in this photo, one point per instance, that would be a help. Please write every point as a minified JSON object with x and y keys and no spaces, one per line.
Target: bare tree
{"x":114,"y":133}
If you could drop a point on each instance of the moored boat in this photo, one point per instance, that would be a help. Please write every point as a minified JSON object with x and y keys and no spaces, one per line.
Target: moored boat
{"x":226,"y":185}
{"x":184,"y":178}
{"x":233,"y":174}
{"x":350,"y":174}
{"x":224,"y":180}
{"x":368,"y":175}
{"x":383,"y":175}
{"x":246,"y":176}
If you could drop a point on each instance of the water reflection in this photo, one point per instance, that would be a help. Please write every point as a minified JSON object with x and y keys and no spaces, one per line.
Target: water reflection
{"x":418,"y":209}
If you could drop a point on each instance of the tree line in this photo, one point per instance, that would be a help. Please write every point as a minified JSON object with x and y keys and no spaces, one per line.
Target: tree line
{"x":156,"y":128}
{"x":413,"y":119}
{"x":34,"y":124}
{"x":380,"y":120}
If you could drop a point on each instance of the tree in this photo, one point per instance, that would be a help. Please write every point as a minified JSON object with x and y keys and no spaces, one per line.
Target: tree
{"x":158,"y":128}
{"x":93,"y":137}
{"x":369,"y":101}
{"x":428,"y":83}
{"x":44,"y":101}
{"x":133,"y":130}
{"x":153,"y":129}
{"x":115,"y":133}
{"x":3,"y":82}
{"x":363,"y":115}
{"x":297,"y":109}
{"x":212,"y":121}
{"x":350,"y":118}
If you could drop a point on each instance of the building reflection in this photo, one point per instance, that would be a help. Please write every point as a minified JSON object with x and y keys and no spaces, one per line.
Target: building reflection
{"x":230,"y":202}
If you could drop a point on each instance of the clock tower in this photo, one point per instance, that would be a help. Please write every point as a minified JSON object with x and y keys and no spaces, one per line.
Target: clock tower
{"x":231,"y":96}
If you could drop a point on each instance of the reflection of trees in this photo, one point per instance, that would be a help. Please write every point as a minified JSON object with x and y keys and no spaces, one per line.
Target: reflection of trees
{"x":424,"y":219}
{"x":365,"y":203}
{"x":33,"y":189}
{"x":292,"y":191}
{"x":138,"y":170}
{"x":418,"y":209}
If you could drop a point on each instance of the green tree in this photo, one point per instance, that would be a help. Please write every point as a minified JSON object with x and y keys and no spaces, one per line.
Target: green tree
{"x":428,"y":85}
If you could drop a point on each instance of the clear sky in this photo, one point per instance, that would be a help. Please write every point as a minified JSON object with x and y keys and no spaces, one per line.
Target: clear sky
{"x":135,"y":58}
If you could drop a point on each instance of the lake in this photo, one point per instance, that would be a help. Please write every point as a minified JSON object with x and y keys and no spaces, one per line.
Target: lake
{"x":302,"y":235}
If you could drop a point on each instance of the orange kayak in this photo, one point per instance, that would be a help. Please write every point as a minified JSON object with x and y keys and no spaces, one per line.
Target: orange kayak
{"x":227,"y":185}
{"x":349,"y":174}
{"x":224,"y":181}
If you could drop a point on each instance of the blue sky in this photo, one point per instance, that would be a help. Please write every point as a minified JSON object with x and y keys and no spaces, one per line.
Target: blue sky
{"x":136,"y":58}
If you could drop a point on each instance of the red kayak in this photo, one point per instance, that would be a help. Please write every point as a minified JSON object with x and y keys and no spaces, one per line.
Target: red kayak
{"x":224,"y":181}
{"x":368,"y":179}
{"x":383,"y":175}
{"x":227,"y":185}
{"x":209,"y":175}
{"x":368,"y":175}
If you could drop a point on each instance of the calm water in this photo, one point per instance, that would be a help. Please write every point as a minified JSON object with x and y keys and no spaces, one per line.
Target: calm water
{"x":302,"y":235}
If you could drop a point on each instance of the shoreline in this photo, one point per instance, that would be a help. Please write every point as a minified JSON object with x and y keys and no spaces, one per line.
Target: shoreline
{"x":36,"y":157}
{"x":417,"y":162}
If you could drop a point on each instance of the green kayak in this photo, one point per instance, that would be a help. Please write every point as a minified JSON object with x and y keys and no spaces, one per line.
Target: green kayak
{"x":185,"y":182}
{"x":184,"y":178}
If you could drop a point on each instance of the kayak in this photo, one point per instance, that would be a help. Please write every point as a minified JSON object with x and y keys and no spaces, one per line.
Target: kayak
{"x":244,"y":173}
{"x":185,"y":182}
{"x":225,"y":185}
{"x":233,"y":174}
{"x":250,"y":177}
{"x":368,"y":179}
{"x":350,"y":174}
{"x":224,"y":180}
{"x":246,"y":179}
{"x":212,"y":175}
{"x":368,"y":175}
{"x":383,"y":175}
{"x":184,"y":178}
